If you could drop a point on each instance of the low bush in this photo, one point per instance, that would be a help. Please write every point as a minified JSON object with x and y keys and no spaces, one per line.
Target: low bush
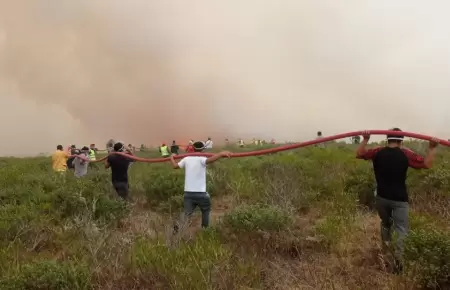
{"x":258,"y":217}
{"x":192,"y":265}
{"x":49,"y":275}
{"x":427,"y":254}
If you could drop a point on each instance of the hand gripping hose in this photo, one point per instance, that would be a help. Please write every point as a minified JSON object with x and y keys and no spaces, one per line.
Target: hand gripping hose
{"x":284,"y":147}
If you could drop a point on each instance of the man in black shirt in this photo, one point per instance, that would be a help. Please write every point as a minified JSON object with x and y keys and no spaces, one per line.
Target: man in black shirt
{"x":73,"y":152}
{"x":174,"y":149}
{"x":390,"y":164}
{"x":119,"y":170}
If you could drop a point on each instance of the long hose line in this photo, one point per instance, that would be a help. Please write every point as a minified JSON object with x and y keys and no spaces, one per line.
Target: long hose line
{"x":280,"y":148}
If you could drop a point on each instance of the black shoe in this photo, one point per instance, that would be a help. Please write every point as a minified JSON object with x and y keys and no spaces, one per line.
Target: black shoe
{"x":175,"y":229}
{"x":398,"y":267}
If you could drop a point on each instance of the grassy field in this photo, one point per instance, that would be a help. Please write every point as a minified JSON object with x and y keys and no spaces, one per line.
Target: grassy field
{"x":296,"y":220}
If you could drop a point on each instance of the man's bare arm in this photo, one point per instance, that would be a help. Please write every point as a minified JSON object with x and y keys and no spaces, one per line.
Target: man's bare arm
{"x":361,"y":151}
{"x":431,"y":153}
{"x":173,"y":162}
{"x":107,"y":165}
{"x":218,"y":156}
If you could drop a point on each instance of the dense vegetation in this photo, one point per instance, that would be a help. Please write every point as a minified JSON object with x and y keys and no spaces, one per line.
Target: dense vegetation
{"x":296,"y":220}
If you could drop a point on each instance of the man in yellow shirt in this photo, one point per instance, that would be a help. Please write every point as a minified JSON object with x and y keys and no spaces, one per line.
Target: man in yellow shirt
{"x":59,"y":159}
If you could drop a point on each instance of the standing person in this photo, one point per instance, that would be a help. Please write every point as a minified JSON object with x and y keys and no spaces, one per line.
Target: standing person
{"x":80,"y":165}
{"x":73,"y":151}
{"x":390,"y":165}
{"x":174,"y":149}
{"x":91,"y":151}
{"x":164,"y":150}
{"x":356,"y":139}
{"x":131,"y":148}
{"x":190,"y":147}
{"x":209,"y":143}
{"x":110,"y":145}
{"x":129,"y":152}
{"x":319,"y":136}
{"x":59,"y":159}
{"x":119,"y":170}
{"x":195,"y":193}
{"x":92,"y":156}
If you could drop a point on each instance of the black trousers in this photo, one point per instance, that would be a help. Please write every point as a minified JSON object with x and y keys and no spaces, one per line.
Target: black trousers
{"x":121,"y":188}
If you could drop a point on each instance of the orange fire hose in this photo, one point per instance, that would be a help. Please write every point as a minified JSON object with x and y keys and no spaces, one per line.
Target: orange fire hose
{"x":281,"y":148}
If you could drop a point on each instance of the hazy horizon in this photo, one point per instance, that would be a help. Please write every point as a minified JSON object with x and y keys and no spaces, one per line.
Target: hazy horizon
{"x":146,"y":71}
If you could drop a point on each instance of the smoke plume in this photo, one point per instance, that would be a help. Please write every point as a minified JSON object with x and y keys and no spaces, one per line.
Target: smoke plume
{"x":148,"y":71}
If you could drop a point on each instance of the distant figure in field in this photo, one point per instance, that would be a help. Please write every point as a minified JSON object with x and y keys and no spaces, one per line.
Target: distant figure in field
{"x":190,"y":147}
{"x":390,"y":165}
{"x":59,"y":159}
{"x":80,"y":165}
{"x":195,"y":193}
{"x":110,"y":145}
{"x":319,"y":136}
{"x":208,"y":144}
{"x":241,"y":143}
{"x":119,"y":170}
{"x":130,"y":152}
{"x":174,"y":149}
{"x":164,"y":150}
{"x":92,"y":152}
{"x":356,"y":139}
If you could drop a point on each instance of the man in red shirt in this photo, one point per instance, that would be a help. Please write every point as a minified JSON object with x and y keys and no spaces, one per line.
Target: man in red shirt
{"x":190,"y":147}
{"x":390,"y":164}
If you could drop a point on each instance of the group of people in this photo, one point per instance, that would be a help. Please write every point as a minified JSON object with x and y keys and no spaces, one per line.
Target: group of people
{"x":65,"y":159}
{"x":390,"y":165}
{"x":175,"y":148}
{"x":195,"y":191}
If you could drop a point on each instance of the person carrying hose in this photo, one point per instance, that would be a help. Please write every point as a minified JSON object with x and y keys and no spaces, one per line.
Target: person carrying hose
{"x":59,"y":159}
{"x":73,"y":151}
{"x":164,"y":150}
{"x":92,"y":156}
{"x":390,"y":165}
{"x":195,"y":193}
{"x":174,"y":149}
{"x":110,"y":145}
{"x":190,"y":147}
{"x":119,"y":170}
{"x":80,"y":165}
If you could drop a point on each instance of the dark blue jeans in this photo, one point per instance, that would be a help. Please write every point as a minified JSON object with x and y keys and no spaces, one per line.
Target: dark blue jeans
{"x":121,"y":188}
{"x":200,"y":199}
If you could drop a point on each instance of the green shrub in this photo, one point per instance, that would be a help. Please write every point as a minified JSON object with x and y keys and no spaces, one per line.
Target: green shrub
{"x":190,"y":266}
{"x":49,"y":275}
{"x":427,"y":253}
{"x":331,"y":229}
{"x":340,"y":215}
{"x":258,"y":217}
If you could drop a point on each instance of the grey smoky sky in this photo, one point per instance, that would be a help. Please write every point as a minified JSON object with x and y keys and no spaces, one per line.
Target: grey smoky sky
{"x":148,"y":71}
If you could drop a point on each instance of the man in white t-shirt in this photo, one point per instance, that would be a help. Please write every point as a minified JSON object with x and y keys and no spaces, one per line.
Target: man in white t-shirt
{"x":208,"y":144}
{"x":195,"y":193}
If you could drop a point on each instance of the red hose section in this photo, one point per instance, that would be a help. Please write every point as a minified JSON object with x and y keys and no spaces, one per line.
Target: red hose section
{"x":282,"y":148}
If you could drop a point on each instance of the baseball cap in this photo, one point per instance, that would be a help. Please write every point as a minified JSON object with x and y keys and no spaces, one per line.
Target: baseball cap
{"x":392,"y":137}
{"x":199,"y":145}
